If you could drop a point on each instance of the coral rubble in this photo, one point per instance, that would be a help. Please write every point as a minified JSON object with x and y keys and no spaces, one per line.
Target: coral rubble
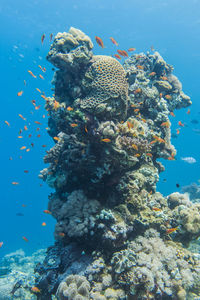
{"x":116,"y":236}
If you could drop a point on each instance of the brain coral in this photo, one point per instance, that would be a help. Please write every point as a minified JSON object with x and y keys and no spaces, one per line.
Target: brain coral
{"x":105,"y":81}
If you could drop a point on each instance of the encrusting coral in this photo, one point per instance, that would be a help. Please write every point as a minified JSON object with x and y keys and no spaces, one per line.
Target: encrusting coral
{"x":110,"y":124}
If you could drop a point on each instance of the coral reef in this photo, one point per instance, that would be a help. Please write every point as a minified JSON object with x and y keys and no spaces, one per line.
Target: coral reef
{"x":110,"y":124}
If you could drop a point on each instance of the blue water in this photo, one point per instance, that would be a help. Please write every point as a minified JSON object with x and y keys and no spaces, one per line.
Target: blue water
{"x":172,"y":26}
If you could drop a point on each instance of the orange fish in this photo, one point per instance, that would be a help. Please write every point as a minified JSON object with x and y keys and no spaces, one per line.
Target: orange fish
{"x":165,"y":124}
{"x":1,"y":244}
{"x":15,"y":183}
{"x":137,"y":155}
{"x":152,"y":74}
{"x":106,"y":140}
{"x":177,"y":131}
{"x":62,"y":234}
{"x":86,"y":129}
{"x":131,"y":49}
{"x":25,"y":127}
{"x":188,"y":112}
{"x":44,"y":70}
{"x":156,"y":209}
{"x":117,"y":56}
{"x":69,"y":108}
{"x":44,"y":224}
{"x":22,"y":117}
{"x":35,"y":289}
{"x":43,"y":116}
{"x":31,"y":73}
{"x":149,"y":154}
{"x":134,"y":147}
{"x":172,"y":114}
{"x":38,"y":90}
{"x":44,"y":97}
{"x":152,"y":48}
{"x":163,"y":78}
{"x":171,"y":158}
{"x":42,"y":38}
{"x":43,"y":146}
{"x":125,"y":54}
{"x":37,"y":107}
{"x":7,"y":123}
{"x":99,"y":41}
{"x":23,"y":147}
{"x":51,"y":36}
{"x":170,"y":230}
{"x":39,"y":135}
{"x":46,"y":211}
{"x":129,"y":125}
{"x":37,"y":122}
{"x":56,"y":105}
{"x":20,"y":136}
{"x":73,"y":125}
{"x":56,"y":138}
{"x":20,"y":93}
{"x":113,"y":41}
{"x":41,"y":76}
{"x":27,"y":150}
{"x":25,"y":239}
{"x":120,"y":52}
{"x":168,"y":97}
{"x":140,"y":67}
{"x":160,"y":95}
{"x":136,"y":110}
{"x":30,"y":135}
{"x":137,"y":91}
{"x":180,"y":124}
{"x":25,"y":171}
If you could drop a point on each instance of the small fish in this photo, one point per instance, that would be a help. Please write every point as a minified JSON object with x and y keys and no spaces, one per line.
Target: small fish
{"x":56,"y":105}
{"x":1,"y":244}
{"x":134,"y":147}
{"x":43,"y":146}
{"x":46,"y":211}
{"x":25,"y":127}
{"x":38,"y":90}
{"x":189,"y":160}
{"x":23,"y":147}
{"x":113,"y":41}
{"x":27,"y":150}
{"x":73,"y":125}
{"x":42,"y":38}
{"x":152,"y":48}
{"x":37,"y":122}
{"x":129,"y":125}
{"x":177,"y":185}
{"x":149,"y":154}
{"x":188,"y":112}
{"x":39,"y":135}
{"x":56,"y":138}
{"x":140,"y":67}
{"x":177,"y":131}
{"x":31,"y":73}
{"x":41,"y":76}
{"x":117,"y":56}
{"x":180,"y":124}
{"x":156,"y":209}
{"x":25,"y":82}
{"x":69,"y":108}
{"x":19,"y":93}
{"x":25,"y":239}
{"x":160,"y":95}
{"x":137,"y":91}
{"x":136,"y":110}
{"x":171,"y":230}
{"x":165,"y":124}
{"x":15,"y":183}
{"x":152,"y":74}
{"x":35,"y":289}
{"x":51,"y":36}
{"x":22,"y":117}
{"x":26,"y":171}
{"x":62,"y":234}
{"x":168,"y":97}
{"x":172,"y":114}
{"x":30,"y":135}
{"x":163,"y":78}
{"x":99,"y":41}
{"x":7,"y":123}
{"x":44,"y":224}
{"x":106,"y":140}
{"x":131,"y":49}
{"x":44,"y":97}
{"x":125,"y":54}
{"x":86,"y":130}
{"x":137,"y":155}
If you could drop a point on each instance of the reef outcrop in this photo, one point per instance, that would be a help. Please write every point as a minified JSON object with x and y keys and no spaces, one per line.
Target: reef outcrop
{"x":116,"y":236}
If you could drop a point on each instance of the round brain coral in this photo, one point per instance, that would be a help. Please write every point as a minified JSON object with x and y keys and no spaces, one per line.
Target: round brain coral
{"x":105,"y":82}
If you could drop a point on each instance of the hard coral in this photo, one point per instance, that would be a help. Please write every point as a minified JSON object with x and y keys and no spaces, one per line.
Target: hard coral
{"x":105,"y":82}
{"x":74,"y":287}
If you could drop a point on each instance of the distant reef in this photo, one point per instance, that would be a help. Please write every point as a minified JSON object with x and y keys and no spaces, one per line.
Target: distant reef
{"x":116,"y":236}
